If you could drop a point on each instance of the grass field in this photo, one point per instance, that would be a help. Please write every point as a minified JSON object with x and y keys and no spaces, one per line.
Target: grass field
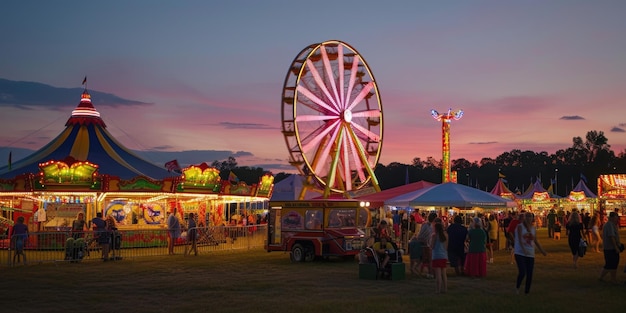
{"x":257,"y":281}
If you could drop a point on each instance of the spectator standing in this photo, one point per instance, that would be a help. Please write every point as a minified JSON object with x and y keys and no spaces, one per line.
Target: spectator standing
{"x":505,"y":225}
{"x":586,"y":218}
{"x":525,"y":244}
{"x":19,"y":236}
{"x":476,"y":259}
{"x":423,"y":236}
{"x":576,"y":233}
{"x":191,"y":233}
{"x":173,"y":230}
{"x":517,"y":219}
{"x":457,"y":233}
{"x":551,"y":218}
{"x":612,"y":247}
{"x":101,"y":233}
{"x":492,"y":230}
{"x":415,"y":255}
{"x":596,"y":237}
{"x":79,"y":226}
{"x":439,"y":243}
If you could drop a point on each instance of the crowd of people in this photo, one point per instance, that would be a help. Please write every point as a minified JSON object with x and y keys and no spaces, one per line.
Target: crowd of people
{"x":469,"y":249}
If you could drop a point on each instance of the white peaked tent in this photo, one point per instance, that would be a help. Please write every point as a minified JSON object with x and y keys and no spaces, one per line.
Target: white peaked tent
{"x":450,"y":195}
{"x":289,"y":189}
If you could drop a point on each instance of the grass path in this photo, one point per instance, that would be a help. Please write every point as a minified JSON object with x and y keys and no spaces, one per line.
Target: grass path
{"x":257,"y":281}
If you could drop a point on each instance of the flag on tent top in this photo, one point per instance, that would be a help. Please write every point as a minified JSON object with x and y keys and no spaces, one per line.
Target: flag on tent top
{"x":85,"y":80}
{"x":173,"y":166}
{"x":583,"y":177}
{"x":500,"y":175}
{"x":232,"y":177}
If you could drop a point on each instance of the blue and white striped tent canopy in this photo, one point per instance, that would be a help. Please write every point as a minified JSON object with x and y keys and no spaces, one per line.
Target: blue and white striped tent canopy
{"x":85,"y":138}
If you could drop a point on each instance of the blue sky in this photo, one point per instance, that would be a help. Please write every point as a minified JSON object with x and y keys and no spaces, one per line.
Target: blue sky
{"x":207,"y":75}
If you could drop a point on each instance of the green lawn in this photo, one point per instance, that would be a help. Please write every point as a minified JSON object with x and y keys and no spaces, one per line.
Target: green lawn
{"x":257,"y":281}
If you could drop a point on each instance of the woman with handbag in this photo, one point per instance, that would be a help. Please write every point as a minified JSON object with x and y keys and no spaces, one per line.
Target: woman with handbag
{"x":575,"y":229}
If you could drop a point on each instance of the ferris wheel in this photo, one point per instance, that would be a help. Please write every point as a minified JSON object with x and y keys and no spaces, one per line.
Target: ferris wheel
{"x":332,"y":118}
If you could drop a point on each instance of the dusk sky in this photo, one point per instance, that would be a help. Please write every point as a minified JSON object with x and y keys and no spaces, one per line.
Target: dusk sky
{"x":207,"y":75}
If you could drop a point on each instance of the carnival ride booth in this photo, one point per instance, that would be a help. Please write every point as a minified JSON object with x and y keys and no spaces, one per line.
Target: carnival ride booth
{"x":612,"y":195}
{"x":85,"y":170}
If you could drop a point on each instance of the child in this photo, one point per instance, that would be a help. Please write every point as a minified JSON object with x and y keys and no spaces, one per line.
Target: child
{"x":19,"y":235}
{"x":557,"y":230}
{"x":415,"y":252}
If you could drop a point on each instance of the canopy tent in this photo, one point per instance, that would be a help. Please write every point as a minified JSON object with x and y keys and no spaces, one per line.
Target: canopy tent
{"x":500,"y":189}
{"x":378,"y":199}
{"x":450,"y":195}
{"x":85,"y":138}
{"x":290,"y":188}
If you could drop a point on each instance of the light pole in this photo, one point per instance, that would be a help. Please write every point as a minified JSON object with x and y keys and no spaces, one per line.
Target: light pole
{"x":468,"y":182}
{"x":556,"y":180}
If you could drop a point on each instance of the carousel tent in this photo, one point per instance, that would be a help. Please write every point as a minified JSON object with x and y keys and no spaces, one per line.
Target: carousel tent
{"x":450,"y":195}
{"x":500,"y":189}
{"x":85,"y":138}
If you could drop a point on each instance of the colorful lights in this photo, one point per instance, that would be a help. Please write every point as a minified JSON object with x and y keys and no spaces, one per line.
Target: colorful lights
{"x":445,"y":119}
{"x":67,"y":171}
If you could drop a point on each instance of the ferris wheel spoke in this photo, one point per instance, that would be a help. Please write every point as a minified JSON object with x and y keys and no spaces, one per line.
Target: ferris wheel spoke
{"x":314,"y":98}
{"x":347,"y":173}
{"x":361,"y":95}
{"x":321,"y":161}
{"x":341,"y":77}
{"x":320,"y":81}
{"x":370,"y":135}
{"x":367,"y":113}
{"x":331,"y":76}
{"x":315,"y":141}
{"x":353,"y":72}
{"x":310,"y":118}
{"x":355,"y":157}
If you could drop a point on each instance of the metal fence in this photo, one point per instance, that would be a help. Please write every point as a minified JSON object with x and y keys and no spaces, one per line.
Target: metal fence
{"x":42,"y":247}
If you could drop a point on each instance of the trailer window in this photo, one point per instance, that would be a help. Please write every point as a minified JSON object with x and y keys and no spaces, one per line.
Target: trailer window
{"x":313,"y":219}
{"x":341,"y":218}
{"x":292,"y":220}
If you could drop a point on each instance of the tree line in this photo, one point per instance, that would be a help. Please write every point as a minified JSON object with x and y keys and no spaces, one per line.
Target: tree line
{"x":586,"y":159}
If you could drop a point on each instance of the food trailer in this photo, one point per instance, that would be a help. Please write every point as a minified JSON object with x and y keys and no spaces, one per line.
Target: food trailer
{"x":317,"y":228}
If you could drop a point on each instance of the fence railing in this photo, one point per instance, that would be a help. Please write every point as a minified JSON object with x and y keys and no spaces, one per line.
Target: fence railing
{"x":42,"y":247}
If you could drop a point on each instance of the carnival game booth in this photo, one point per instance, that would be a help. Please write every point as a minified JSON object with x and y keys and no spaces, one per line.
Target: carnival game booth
{"x":581,"y":198}
{"x":85,"y":170}
{"x":539,"y":201}
{"x":612,"y":195}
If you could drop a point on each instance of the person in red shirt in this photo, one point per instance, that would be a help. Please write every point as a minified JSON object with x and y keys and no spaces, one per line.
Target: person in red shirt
{"x":511,"y":229}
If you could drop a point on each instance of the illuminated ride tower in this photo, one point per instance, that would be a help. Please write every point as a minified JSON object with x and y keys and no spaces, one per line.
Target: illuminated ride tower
{"x":445,"y":119}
